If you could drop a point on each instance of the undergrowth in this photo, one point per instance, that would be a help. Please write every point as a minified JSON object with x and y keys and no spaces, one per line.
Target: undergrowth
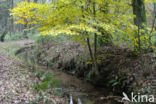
{"x":47,"y":81}
{"x":19,"y":35}
{"x":48,"y":85}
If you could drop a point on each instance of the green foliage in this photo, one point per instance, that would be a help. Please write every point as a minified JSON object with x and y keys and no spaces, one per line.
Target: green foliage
{"x":42,"y":38}
{"x":47,"y":81}
{"x":149,"y":89}
{"x":46,"y":16}
{"x":20,"y":35}
{"x":121,"y":38}
{"x":90,"y":22}
{"x":105,"y":40}
{"x":14,"y":37}
{"x":118,"y":83}
{"x":45,"y":87}
{"x":38,"y":74}
{"x":153,"y":38}
{"x":79,"y":20}
{"x":42,"y":96}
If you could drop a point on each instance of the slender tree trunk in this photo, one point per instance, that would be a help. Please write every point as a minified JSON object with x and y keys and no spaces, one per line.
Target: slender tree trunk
{"x":96,"y":71}
{"x":90,"y":50}
{"x":139,"y":41}
{"x":140,"y":50}
{"x":95,"y":35}
{"x":154,"y":18}
{"x":12,"y":20}
{"x":88,"y":39}
{"x":139,"y":21}
{"x":153,"y":24}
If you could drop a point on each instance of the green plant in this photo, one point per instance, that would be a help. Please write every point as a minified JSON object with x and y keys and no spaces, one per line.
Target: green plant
{"x":117,"y":81}
{"x":38,"y":74}
{"x":119,"y":84}
{"x":46,"y":86}
{"x":42,"y":38}
{"x":19,"y":35}
{"x":47,"y":81}
{"x":46,"y":100}
{"x":15,"y":36}
{"x":57,"y":91}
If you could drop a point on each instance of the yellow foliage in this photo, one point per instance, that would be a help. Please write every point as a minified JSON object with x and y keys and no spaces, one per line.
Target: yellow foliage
{"x":77,"y":17}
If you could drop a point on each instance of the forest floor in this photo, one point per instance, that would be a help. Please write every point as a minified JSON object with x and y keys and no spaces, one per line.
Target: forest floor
{"x":16,"y":82}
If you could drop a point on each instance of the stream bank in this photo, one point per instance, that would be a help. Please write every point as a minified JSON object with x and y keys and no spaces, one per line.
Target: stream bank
{"x":69,"y":84}
{"x":120,"y":69}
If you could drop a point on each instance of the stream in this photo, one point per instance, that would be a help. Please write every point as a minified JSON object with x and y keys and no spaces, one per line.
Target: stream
{"x":80,"y":90}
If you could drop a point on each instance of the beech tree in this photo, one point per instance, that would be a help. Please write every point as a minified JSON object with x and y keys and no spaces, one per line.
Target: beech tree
{"x":83,"y":20}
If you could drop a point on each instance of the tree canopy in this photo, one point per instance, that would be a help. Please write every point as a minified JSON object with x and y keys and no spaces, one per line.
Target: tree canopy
{"x":86,"y":20}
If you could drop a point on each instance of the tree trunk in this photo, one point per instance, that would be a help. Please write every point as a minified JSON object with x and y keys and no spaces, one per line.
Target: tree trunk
{"x":154,"y":18}
{"x":12,"y":20}
{"x":139,"y":11}
{"x":140,"y":19}
{"x":95,"y":44}
{"x":90,"y":50}
{"x":95,"y":35}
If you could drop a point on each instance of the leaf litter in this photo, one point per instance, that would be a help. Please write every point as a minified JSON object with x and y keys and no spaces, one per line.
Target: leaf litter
{"x":16,"y":84}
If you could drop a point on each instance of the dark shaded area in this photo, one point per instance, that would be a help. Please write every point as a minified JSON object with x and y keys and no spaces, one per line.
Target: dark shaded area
{"x":2,"y":36}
